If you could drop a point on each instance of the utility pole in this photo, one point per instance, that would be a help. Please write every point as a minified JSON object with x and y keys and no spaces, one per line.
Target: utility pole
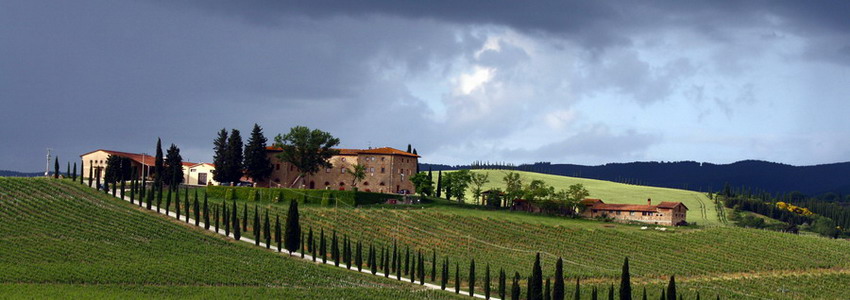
{"x":47,"y":164}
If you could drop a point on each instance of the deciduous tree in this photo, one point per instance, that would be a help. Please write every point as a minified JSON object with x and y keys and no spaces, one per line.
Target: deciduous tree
{"x":307,"y":150}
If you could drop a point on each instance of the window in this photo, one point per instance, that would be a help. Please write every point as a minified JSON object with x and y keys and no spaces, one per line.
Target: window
{"x":382,"y":183}
{"x":382,"y":158}
{"x":277,"y":167}
{"x":372,"y":169}
{"x":631,"y":213}
{"x":192,"y":170}
{"x":343,"y":159}
{"x":342,"y":170}
{"x":327,"y":183}
{"x":365,"y":183}
{"x":327,"y":170}
{"x":382,"y":170}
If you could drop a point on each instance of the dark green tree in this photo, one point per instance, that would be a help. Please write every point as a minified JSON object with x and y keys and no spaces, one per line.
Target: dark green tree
{"x":625,"y":282}
{"x":547,"y":290}
{"x":237,"y":231}
{"x":472,"y":277}
{"x":515,"y":289}
{"x":233,"y":158}
{"x":406,"y":260}
{"x":577,"y":295}
{"x":220,"y":156}
{"x":334,"y":249}
{"x":186,"y":204}
{"x":68,"y":170}
{"x":644,"y":294}
{"x":206,"y":212}
{"x":307,"y":150}
{"x":370,"y":260}
{"x":502,"y":285}
{"x":310,"y":244}
{"x":487,"y":281}
{"x":457,"y":278}
{"x":168,"y":204}
{"x":176,"y":202}
{"x":74,"y":173}
{"x":215,"y":217}
{"x":594,"y":294}
{"x":91,"y":171}
{"x":433,"y":265}
{"x":558,"y":286}
{"x":173,"y":172}
{"x":535,"y":290}
{"x":358,"y":257}
{"x":671,"y":288}
{"x":225,"y":216}
{"x":323,"y":250}
{"x":611,"y":292}
{"x":245,"y":217}
{"x":346,"y":251}
{"x":421,"y":268}
{"x":159,"y":166}
{"x":256,"y":163}
{"x":257,"y":228}
{"x":439,"y":183}
{"x":278,"y":239}
{"x":56,"y":167}
{"x":444,"y":275}
{"x":293,"y":227}
{"x":267,"y":231}
{"x":122,"y":189}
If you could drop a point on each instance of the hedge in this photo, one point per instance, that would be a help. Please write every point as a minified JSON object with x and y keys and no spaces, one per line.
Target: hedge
{"x":321,"y":197}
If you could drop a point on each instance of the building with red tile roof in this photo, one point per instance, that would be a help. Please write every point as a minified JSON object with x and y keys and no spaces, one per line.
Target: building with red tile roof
{"x":194,"y":173}
{"x":665,"y":213}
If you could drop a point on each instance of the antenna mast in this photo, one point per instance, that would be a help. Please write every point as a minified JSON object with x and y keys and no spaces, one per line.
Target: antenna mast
{"x":47,"y":164}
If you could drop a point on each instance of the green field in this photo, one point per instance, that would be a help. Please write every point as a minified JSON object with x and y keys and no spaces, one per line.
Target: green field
{"x":701,"y":209}
{"x":62,"y":240}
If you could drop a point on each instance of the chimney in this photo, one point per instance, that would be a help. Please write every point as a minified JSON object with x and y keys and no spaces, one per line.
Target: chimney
{"x":649,"y":201}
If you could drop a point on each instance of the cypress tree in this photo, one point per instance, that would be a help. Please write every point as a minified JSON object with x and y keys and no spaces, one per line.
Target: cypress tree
{"x":56,"y":167}
{"x":225,"y":216}
{"x":625,"y":282}
{"x":502,"y":284}
{"x":457,"y":278}
{"x":91,"y":171}
{"x":472,"y":277}
{"x":257,"y":228}
{"x":303,"y":247}
{"x":535,"y":290}
{"x":528,"y":288}
{"x":245,"y":217}
{"x":487,"y":282}
{"x":158,"y":166}
{"x":515,"y":289}
{"x":206,"y":213}
{"x":149,"y":198}
{"x":68,"y":170}
{"x":220,"y":156}
{"x":406,"y":260}
{"x":168,"y":203}
{"x":594,"y":294}
{"x":334,"y":249}
{"x":439,"y":183}
{"x":158,"y":197}
{"x":98,"y":187}
{"x":370,"y":260}
{"x":215,"y":216}
{"x":267,"y":231}
{"x":558,"y":287}
{"x":123,"y":186}
{"x":256,"y":162}
{"x":114,"y":188}
{"x":323,"y":250}
{"x":142,"y":189}
{"x":133,"y":191}
{"x":293,"y":227}
{"x":197,"y":208}
{"x":444,"y":276}
{"x":412,"y":270}
{"x":611,"y":292}
{"x":74,"y":173}
{"x":385,"y":260}
{"x":663,"y":295}
{"x":278,"y":239}
{"x":186,"y":204}
{"x":358,"y":257}
{"x":237,"y":231}
{"x":398,"y":268}
{"x":698,"y":296}
{"x":433,"y":265}
{"x":644,"y":294}
{"x":176,"y":202}
{"x":346,"y":251}
{"x":421,"y":269}
{"x":577,"y":295}
{"x":671,"y":288}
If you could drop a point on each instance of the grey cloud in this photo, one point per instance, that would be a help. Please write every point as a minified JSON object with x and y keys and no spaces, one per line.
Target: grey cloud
{"x":596,"y":143}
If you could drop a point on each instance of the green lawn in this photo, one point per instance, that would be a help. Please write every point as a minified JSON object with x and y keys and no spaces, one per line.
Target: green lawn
{"x":701,"y":209}
{"x":61,"y":240}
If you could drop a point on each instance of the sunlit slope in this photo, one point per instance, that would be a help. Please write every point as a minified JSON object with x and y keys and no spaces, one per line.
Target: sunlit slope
{"x":58,"y":237}
{"x":701,"y":209}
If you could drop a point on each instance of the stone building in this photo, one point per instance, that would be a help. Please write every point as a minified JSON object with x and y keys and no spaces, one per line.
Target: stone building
{"x":388,"y":170}
{"x":193,"y":173}
{"x":665,"y":213}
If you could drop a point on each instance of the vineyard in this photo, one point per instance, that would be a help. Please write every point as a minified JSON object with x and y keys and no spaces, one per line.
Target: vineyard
{"x":62,"y":240}
{"x":702,"y":210}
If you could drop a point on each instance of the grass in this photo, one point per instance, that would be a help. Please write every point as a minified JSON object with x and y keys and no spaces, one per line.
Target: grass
{"x":61,"y":240}
{"x":701,"y":209}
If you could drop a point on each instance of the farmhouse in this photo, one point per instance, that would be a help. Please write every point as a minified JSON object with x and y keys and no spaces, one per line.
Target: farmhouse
{"x":194,"y":173}
{"x":665,"y":213}
{"x":388,"y":170}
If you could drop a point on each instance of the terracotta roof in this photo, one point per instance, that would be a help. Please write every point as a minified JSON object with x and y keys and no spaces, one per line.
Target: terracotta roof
{"x":140,"y":158}
{"x":671,"y":205}
{"x":342,"y":151}
{"x":591,"y":201}
{"x":625,"y":207}
{"x":198,"y":164}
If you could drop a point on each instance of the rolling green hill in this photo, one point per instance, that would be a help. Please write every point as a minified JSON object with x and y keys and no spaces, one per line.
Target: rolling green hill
{"x":701,"y":209}
{"x":62,"y":240}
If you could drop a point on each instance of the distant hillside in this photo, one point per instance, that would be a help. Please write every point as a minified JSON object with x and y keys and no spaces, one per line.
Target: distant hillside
{"x":7,"y":173}
{"x":756,"y":175}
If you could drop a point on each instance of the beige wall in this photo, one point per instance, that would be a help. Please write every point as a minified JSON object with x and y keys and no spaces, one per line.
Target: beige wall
{"x":384,"y":173}
{"x":663,"y":216}
{"x":192,"y":174}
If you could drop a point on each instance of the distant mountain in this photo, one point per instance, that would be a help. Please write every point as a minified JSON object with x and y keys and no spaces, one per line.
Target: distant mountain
{"x":7,"y":173}
{"x":750,"y":174}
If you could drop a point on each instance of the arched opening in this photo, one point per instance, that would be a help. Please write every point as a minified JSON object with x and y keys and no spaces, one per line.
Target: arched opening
{"x":312,"y":184}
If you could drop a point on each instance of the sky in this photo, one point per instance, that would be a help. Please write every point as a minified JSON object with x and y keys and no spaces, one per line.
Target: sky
{"x":582,"y":82}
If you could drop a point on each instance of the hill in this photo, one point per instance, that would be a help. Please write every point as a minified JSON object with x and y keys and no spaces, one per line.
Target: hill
{"x":62,"y":240}
{"x":728,"y":261}
{"x":702,"y":210}
{"x":8,"y":173}
{"x":752,"y":174}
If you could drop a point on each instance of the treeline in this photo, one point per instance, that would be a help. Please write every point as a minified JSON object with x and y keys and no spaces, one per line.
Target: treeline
{"x":811,"y":214}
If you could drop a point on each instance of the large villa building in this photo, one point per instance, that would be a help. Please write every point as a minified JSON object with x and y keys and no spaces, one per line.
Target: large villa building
{"x":388,"y":170}
{"x":665,"y":213}
{"x":193,"y":173}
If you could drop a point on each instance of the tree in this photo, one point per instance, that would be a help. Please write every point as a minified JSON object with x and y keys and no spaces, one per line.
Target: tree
{"x":278,"y":238}
{"x":409,"y":148}
{"x":159,"y":165}
{"x":513,"y":187}
{"x":457,"y":278}
{"x":267,"y":231}
{"x":422,"y":184}
{"x":334,"y":249}
{"x":206,"y":212}
{"x":91,"y":172}
{"x":237,"y":231}
{"x":515,"y":289}
{"x":358,"y":172}
{"x":536,"y":285}
{"x":323,"y":250}
{"x":358,"y":257}
{"x":478,"y":180}
{"x":220,"y":156}
{"x":307,"y":150}
{"x":257,"y":164}
{"x":611,"y":292}
{"x":245,"y":217}
{"x":439,"y":183}
{"x":625,"y":282}
{"x":433,"y":264}
{"x":472,"y":277}
{"x":257,"y":229}
{"x":117,"y":168}
{"x":671,"y":288}
{"x":234,"y":158}
{"x":68,"y":170}
{"x":173,"y":172}
{"x":547,"y":291}
{"x":577,"y":295}
{"x":502,"y":283}
{"x":487,"y":281}
{"x":56,"y":167}
{"x":293,"y":227}
{"x":74,"y":173}
{"x":558,"y":287}
{"x":444,"y":275}
{"x":456,"y":183}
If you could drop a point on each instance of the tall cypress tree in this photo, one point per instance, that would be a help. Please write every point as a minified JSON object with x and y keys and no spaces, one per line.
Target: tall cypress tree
{"x":625,"y":282}
{"x":168,"y":204}
{"x":644,"y":294}
{"x":56,"y":167}
{"x":215,"y":217}
{"x":256,"y":162}
{"x":123,"y":186}
{"x":487,"y":281}
{"x":220,"y":156}
{"x":74,"y":173}
{"x":412,"y":270}
{"x":310,"y":245}
{"x":433,"y":265}
{"x":186,"y":204}
{"x":558,"y":287}
{"x":237,"y":231}
{"x":133,"y":191}
{"x":206,"y":213}
{"x":472,"y":277}
{"x":394,"y":257}
{"x":225,"y":216}
{"x":535,"y":290}
{"x":278,"y":239}
{"x":176,"y":201}
{"x":358,"y":257}
{"x":173,"y":170}
{"x":257,"y":228}
{"x":91,"y":171}
{"x":267,"y":231}
{"x":233,"y":165}
{"x":245,"y":217}
{"x":671,"y":288}
{"x":334,"y":249}
{"x":444,"y":275}
{"x":406,"y":260}
{"x":663,"y":295}
{"x":421,"y":269}
{"x":373,"y":262}
{"x":577,"y":295}
{"x":158,"y":197}
{"x":293,"y":227}
{"x":457,"y":278}
{"x":142,"y":189}
{"x":515,"y":289}
{"x":594,"y":294}
{"x":323,"y":247}
{"x":346,"y":249}
{"x":502,"y":286}
{"x":439,"y":183}
{"x":547,"y":291}
{"x":159,"y":167}
{"x":385,"y":261}
{"x":611,"y":292}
